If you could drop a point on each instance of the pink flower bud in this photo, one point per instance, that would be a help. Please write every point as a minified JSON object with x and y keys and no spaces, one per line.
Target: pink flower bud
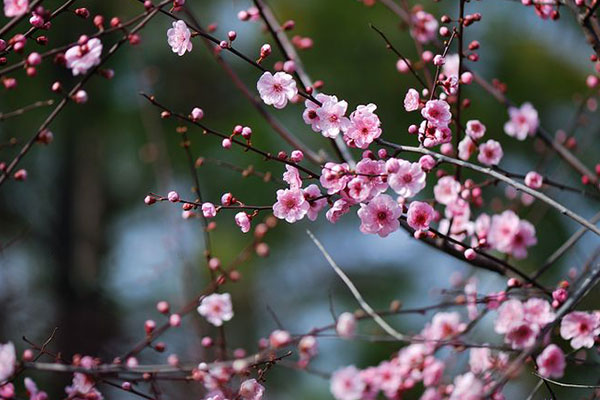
{"x":226,"y":143}
{"x":227,"y":199}
{"x":173,"y":196}
{"x":34,"y":59}
{"x":427,"y":163}
{"x":470,"y":254}
{"x":20,"y":175}
{"x":149,"y":200}
{"x":279,"y":338}
{"x":246,"y":132}
{"x":265,"y":50}
{"x":209,"y":210}
{"x":346,"y":325}
{"x":297,"y":156}
{"x":175,"y":320}
{"x":162,"y":307}
{"x":80,"y":97}
{"x":197,"y":114}
{"x":232,"y":35}
{"x":466,"y":78}
{"x":149,"y":326}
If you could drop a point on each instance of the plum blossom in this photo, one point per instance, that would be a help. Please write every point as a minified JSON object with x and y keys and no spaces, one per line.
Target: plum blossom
{"x":291,"y":205}
{"x":243,"y":221}
{"x":431,"y":135}
{"x":33,"y":392}
{"x":15,"y":8}
{"x":411,"y":100}
{"x":419,"y":215}
{"x":380,"y":216}
{"x":443,"y":326}
{"x":405,"y":178}
{"x":310,"y":115}
{"x":424,"y":26}
{"x":371,"y":173}
{"x":490,"y":153}
{"x":551,"y":362}
{"x":8,"y":359}
{"x":466,"y":147}
{"x":480,"y":360}
{"x":475,"y":129}
{"x":179,"y":38}
{"x":510,"y":313}
{"x":81,"y":57}
{"x":82,"y":388}
{"x":209,"y":210}
{"x":580,"y":328}
{"x":251,"y":390}
{"x":335,"y":177}
{"x":216,"y":308}
{"x":522,"y":322}
{"x":332,"y":117}
{"x":522,"y":335}
{"x":292,"y":177}
{"x":437,"y":113}
{"x":446,"y":190}
{"x":364,"y":127}
{"x":508,"y":234}
{"x":346,"y":325}
{"x":523,"y":121}
{"x":312,"y":192}
{"x":534,"y":180}
{"x":339,"y":208}
{"x":347,"y":384}
{"x":276,"y":90}
{"x":467,"y":387}
{"x":450,"y":68}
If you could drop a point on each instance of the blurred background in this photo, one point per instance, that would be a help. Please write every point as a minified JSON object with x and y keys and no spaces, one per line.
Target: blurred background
{"x":81,"y":251}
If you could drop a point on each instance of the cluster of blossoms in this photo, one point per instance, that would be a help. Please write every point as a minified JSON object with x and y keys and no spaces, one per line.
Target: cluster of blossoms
{"x":417,"y":363}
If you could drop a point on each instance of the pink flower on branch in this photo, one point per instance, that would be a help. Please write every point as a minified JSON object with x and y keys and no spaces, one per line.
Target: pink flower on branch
{"x":216,"y":308}
{"x":380,"y":216}
{"x":82,"y":57}
{"x":179,"y":38}
{"x":276,"y":90}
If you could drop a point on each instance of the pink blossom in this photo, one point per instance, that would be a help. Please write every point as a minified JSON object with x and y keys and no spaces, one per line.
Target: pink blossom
{"x":310,"y":115}
{"x":534,"y":180}
{"x":216,"y":308}
{"x":358,"y":190}
{"x":443,"y":326}
{"x":179,"y":38}
{"x":279,"y":338}
{"x":308,"y":347}
{"x":446,"y":190}
{"x":551,"y":362}
{"x":276,"y":89}
{"x":8,"y":359}
{"x":339,"y":208}
{"x":380,"y":216}
{"x":482,"y":225}
{"x":538,"y":311}
{"x":523,"y":238}
{"x":502,"y":230}
{"x":427,"y":162}
{"x":209,"y":210}
{"x":480,"y":360}
{"x":411,"y":100}
{"x":424,"y":26}
{"x":405,"y":178}
{"x":251,"y":390}
{"x":347,"y":384}
{"x":467,"y":387}
{"x":490,"y":153}
{"x":15,"y":8}
{"x":243,"y":221}
{"x":7,"y":391}
{"x":432,"y":373}
{"x":450,"y":68}
{"x":437,"y":113}
{"x":33,"y":392}
{"x":332,"y":117}
{"x":475,"y":129}
{"x":419,"y":215}
{"x":431,"y":394}
{"x":82,"y":388}
{"x":311,"y":192}
{"x":510,"y":313}
{"x":364,"y":127}
{"x":431,"y":135}
{"x":292,"y":177}
{"x":291,"y":205}
{"x":580,"y":328}
{"x":335,"y":177}
{"x":523,"y":121}
{"x":81,"y":57}
{"x":522,"y":335}
{"x":346,"y":325}
{"x":466,"y":147}
{"x":372,"y":172}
